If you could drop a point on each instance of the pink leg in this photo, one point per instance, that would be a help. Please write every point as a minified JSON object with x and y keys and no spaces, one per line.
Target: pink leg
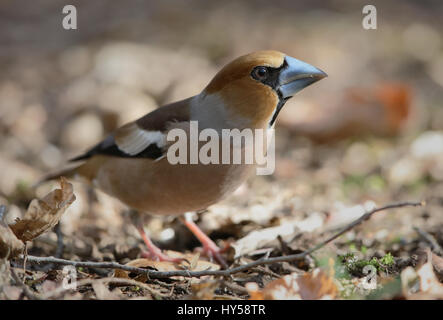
{"x":209,"y":247}
{"x":153,"y":252}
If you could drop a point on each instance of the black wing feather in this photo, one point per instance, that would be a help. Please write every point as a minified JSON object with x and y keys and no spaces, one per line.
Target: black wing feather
{"x":109,"y":147}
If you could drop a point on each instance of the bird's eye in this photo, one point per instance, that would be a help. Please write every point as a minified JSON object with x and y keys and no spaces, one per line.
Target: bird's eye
{"x":260,"y":73}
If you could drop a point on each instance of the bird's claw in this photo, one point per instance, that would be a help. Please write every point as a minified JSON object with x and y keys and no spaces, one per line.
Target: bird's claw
{"x":213,"y":252}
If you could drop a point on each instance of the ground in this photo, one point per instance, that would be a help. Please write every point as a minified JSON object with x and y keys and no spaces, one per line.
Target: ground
{"x":382,"y":143}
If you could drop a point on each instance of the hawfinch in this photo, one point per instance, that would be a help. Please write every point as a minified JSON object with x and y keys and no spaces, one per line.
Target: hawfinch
{"x":131,"y":164}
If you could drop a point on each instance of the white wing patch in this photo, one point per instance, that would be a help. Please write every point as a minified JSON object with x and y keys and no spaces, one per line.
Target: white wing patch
{"x":133,"y":140}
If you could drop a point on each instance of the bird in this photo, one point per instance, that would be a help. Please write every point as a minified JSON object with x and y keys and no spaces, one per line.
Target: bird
{"x":131,"y":163}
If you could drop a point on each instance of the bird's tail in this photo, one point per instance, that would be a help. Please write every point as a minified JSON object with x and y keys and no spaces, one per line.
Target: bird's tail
{"x":67,"y":173}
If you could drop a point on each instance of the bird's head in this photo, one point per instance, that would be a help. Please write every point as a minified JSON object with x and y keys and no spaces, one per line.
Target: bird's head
{"x":253,"y":88}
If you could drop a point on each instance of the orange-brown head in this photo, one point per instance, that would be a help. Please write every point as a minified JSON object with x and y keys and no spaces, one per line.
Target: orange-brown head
{"x":254,"y":87}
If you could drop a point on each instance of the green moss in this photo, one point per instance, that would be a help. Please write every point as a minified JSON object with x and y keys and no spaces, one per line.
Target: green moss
{"x":363,"y":249}
{"x":387,"y":260}
{"x":22,"y":186}
{"x":135,"y":288}
{"x":352,"y":182}
{"x":375,"y":183}
{"x":355,"y":266}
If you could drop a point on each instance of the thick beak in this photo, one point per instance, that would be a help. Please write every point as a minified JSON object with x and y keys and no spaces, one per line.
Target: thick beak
{"x":297,"y":75}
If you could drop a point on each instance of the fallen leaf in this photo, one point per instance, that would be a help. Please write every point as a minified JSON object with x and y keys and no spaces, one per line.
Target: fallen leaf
{"x":198,"y":265}
{"x":384,"y":109}
{"x":409,"y":281}
{"x":287,"y":231}
{"x":423,"y":283}
{"x":342,"y":215}
{"x":48,"y":286}
{"x":44,"y":214}
{"x":194,"y":261}
{"x":316,"y":285}
{"x":10,"y":246}
{"x":102,"y":292}
{"x":428,"y":279}
{"x":204,"y":290}
{"x":261,"y":238}
{"x":437,"y":262}
{"x":12,"y":292}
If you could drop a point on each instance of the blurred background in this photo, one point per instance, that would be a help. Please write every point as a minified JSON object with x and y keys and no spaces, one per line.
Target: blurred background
{"x":371,"y":132}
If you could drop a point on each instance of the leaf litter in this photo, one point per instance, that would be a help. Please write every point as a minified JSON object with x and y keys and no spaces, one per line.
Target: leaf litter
{"x":365,"y":155}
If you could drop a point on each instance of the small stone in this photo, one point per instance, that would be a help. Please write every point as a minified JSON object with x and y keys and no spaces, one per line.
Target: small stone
{"x":83,"y":132}
{"x":405,"y":171}
{"x":428,"y":144}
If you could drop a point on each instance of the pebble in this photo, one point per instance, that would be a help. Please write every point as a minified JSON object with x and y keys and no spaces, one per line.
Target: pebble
{"x":83,"y":132}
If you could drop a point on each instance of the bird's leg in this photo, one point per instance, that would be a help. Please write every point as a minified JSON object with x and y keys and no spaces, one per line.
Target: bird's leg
{"x":153,"y":252}
{"x":209,"y":247}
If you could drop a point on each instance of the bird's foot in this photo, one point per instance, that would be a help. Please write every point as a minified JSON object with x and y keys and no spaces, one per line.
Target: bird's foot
{"x":213,"y":252}
{"x":154,"y":252}
{"x":209,"y":248}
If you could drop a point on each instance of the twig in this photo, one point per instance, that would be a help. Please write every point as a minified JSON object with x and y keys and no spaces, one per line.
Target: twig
{"x":59,"y":248}
{"x":31,"y":295}
{"x":225,"y":297}
{"x":266,"y":271}
{"x":429,"y":238}
{"x":60,"y":245}
{"x":235,"y":287}
{"x":2,"y":211}
{"x":226,"y":272}
{"x":119,"y":281}
{"x":25,"y":255}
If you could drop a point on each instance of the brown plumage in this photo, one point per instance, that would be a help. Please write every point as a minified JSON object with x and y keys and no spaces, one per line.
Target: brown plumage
{"x":131,"y":163}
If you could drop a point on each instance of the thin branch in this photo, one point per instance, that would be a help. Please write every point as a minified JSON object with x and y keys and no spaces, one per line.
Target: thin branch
{"x":226,"y":272}
{"x":235,"y":287}
{"x":60,"y":245}
{"x":118,"y":281}
{"x":2,"y":211}
{"x":26,"y":290}
{"x":429,"y":238}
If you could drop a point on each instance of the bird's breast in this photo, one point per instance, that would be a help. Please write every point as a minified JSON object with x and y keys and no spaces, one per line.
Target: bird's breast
{"x":159,"y":187}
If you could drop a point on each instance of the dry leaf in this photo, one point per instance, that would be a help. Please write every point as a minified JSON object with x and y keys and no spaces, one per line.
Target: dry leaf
{"x":423,"y":283}
{"x":428,"y":279}
{"x":194,"y":261}
{"x":385,"y":109}
{"x":342,"y":215}
{"x":12,"y":292}
{"x":44,"y":214}
{"x":102,"y":292}
{"x":264,"y":237}
{"x":408,"y":281}
{"x":10,"y":246}
{"x":48,"y":286}
{"x":204,"y":290}
{"x":309,"y":286}
{"x":199,"y":265}
{"x":437,"y":262}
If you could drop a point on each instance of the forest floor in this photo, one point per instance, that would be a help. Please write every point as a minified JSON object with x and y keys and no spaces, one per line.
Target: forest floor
{"x":60,"y":97}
